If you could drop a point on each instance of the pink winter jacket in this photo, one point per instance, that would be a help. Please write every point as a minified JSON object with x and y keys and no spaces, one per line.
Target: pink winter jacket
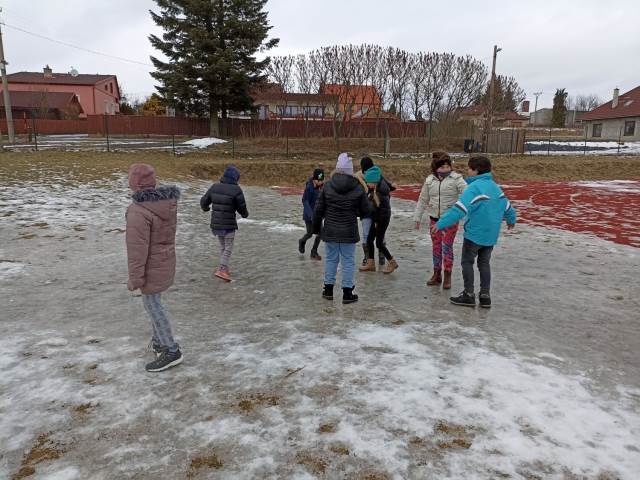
{"x":151,"y":239}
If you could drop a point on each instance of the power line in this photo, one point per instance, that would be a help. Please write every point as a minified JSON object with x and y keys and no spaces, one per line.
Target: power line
{"x":122,"y":59}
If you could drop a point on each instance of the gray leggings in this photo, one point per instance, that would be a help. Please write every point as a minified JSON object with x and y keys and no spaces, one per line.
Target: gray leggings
{"x":160,"y":322}
{"x":470,"y":251}
{"x":226,"y":245}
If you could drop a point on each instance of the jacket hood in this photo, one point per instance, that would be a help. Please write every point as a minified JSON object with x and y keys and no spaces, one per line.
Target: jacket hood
{"x":231,"y":175}
{"x":344,"y":183}
{"x":141,"y":176}
{"x":155,"y":199}
{"x":483,"y":176}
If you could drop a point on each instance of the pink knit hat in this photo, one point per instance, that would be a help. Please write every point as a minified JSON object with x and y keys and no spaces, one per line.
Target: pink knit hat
{"x":141,"y":176}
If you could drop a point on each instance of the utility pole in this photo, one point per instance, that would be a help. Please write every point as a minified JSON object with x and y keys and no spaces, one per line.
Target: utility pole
{"x":489,"y":121}
{"x":5,"y":91}
{"x":535,"y":110}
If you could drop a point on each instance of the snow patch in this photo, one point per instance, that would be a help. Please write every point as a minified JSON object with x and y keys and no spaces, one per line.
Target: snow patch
{"x":272,"y":225}
{"x":204,"y":142}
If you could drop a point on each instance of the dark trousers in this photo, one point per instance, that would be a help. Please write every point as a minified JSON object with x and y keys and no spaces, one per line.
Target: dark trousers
{"x":470,"y":251}
{"x":309,"y":234}
{"x":376,"y":234}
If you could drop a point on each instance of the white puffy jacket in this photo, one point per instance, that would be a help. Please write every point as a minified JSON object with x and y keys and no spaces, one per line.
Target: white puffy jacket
{"x":438,"y":196}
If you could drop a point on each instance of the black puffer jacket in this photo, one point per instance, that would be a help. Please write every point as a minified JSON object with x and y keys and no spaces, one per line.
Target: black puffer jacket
{"x":226,"y":198}
{"x":384,"y":189}
{"x":341,"y":201}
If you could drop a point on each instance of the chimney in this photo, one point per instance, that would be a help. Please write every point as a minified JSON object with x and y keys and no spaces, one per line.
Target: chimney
{"x":48,"y":73}
{"x":616,"y":92}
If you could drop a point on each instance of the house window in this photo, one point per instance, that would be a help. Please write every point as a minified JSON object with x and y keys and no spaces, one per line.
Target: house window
{"x":106,"y":88}
{"x":111,"y":87}
{"x":314,"y":111}
{"x":288,"y":110}
{"x":597,"y":130}
{"x":630,"y":128}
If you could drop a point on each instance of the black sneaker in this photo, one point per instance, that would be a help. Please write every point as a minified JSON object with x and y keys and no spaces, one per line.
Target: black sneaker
{"x":156,"y":348}
{"x":348,"y":296}
{"x":465,"y":299}
{"x":328,"y":292}
{"x":485,"y":300}
{"x":166,"y":360}
{"x":315,"y":256}
{"x":301,"y":245}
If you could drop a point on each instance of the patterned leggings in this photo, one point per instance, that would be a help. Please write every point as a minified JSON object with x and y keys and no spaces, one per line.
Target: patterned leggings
{"x":226,"y":247}
{"x":443,"y":247}
{"x":160,"y":322}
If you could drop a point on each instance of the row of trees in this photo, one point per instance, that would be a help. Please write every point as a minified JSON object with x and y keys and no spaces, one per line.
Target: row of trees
{"x":562,"y":102}
{"x":423,"y":85}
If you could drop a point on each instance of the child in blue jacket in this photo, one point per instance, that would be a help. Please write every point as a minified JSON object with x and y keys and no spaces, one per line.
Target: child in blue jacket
{"x":309,"y":198}
{"x":485,"y":206}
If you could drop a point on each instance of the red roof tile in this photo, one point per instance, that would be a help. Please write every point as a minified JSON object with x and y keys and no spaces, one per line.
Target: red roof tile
{"x":57,"y":78}
{"x":30,"y":100}
{"x":628,"y":106}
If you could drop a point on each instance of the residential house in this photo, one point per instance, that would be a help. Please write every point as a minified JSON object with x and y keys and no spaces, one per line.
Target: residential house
{"x":542,"y":118}
{"x":619,"y":118}
{"x":357,"y":102}
{"x":477,"y":114}
{"x":97,"y":94}
{"x":272,"y":102}
{"x":48,"y":105}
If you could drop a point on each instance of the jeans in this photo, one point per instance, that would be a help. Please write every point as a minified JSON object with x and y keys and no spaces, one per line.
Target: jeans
{"x":309,"y":234}
{"x":366,"y":226}
{"x":336,"y":253}
{"x":160,"y":323}
{"x":376,"y":233}
{"x":470,"y":251}
{"x":226,"y":249}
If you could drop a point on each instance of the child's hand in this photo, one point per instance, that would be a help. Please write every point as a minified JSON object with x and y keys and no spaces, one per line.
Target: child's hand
{"x":417,"y":227}
{"x":511,"y":227}
{"x":434,"y":228}
{"x":130,"y":286}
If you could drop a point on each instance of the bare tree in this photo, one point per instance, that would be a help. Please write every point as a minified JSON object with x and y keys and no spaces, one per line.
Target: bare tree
{"x":465,"y":85}
{"x":586,"y":103}
{"x":398,"y":63}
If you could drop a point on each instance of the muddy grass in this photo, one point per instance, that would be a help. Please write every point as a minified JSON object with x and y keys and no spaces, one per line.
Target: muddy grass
{"x":42,"y":450}
{"x":206,"y":462}
{"x":91,"y":166}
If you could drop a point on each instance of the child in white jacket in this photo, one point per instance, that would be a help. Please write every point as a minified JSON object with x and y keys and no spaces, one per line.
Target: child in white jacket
{"x":440,"y":191}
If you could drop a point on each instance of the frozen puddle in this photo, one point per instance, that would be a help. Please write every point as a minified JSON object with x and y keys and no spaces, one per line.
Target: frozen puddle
{"x":279,"y":383}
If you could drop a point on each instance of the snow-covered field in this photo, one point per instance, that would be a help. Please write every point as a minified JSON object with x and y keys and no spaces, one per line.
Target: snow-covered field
{"x":560,"y":147}
{"x":279,"y":383}
{"x":83,"y":142}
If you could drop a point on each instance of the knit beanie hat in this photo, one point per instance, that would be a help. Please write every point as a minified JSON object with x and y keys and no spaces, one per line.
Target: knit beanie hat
{"x":366,"y":163}
{"x":373,"y":175}
{"x":318,"y":174}
{"x":439,"y":159}
{"x":141,"y":176}
{"x":345,"y":164}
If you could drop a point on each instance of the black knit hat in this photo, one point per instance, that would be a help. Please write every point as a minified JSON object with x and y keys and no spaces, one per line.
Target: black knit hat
{"x":366,"y":163}
{"x":318,"y":174}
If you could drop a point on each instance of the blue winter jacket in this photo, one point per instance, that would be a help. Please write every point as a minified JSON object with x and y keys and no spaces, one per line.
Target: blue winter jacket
{"x":485,"y":206}
{"x":309,"y":198}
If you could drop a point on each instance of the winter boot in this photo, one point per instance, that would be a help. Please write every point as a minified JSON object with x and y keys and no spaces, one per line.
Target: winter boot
{"x":166,"y":360}
{"x":366,"y":255}
{"x":327,"y":292}
{"x":348,"y":296}
{"x":301,"y":245}
{"x":381,"y":259}
{"x":370,"y":266}
{"x":446,"y":282}
{"x":485,"y":300}
{"x":465,"y":299}
{"x":391,"y":266}
{"x":315,"y":256}
{"x":436,"y":278}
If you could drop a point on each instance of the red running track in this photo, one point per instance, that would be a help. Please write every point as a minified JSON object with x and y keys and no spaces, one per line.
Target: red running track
{"x":606,"y":209}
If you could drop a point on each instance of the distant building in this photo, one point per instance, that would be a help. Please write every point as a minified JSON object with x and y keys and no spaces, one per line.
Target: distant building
{"x":272,"y":102}
{"x":48,"y":105}
{"x":542,"y":118}
{"x":619,"y":118}
{"x":356,"y":101}
{"x":477,"y":114}
{"x":97,"y":94}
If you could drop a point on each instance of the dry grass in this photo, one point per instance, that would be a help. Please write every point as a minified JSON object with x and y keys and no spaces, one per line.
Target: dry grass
{"x":89,"y":166}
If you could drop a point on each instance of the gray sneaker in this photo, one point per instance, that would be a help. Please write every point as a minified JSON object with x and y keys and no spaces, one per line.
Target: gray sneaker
{"x":165,"y":361}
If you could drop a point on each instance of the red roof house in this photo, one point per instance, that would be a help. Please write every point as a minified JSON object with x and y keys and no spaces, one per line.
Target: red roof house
{"x":618,"y":119}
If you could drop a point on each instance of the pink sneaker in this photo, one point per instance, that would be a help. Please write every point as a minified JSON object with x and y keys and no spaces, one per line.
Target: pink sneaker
{"x":223,"y":275}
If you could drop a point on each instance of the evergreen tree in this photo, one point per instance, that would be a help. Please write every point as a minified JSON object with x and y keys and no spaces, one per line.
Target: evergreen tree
{"x":559,"y":108}
{"x":210,"y":46}
{"x":507,"y":94}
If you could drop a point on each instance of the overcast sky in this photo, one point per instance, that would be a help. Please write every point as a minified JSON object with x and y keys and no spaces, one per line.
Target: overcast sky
{"x":585,"y":46}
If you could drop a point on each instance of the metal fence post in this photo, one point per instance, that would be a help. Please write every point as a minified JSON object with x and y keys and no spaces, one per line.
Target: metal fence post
{"x":619,"y":140}
{"x":35,"y":132}
{"x":106,"y":129}
{"x":511,"y":142}
{"x":287,"y":146}
{"x":585,"y":139}
{"x":173,"y":142}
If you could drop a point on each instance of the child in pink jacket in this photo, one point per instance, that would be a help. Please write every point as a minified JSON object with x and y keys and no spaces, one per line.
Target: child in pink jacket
{"x":151,"y":256}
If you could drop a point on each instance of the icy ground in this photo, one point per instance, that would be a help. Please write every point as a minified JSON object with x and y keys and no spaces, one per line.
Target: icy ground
{"x":279,"y":383}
